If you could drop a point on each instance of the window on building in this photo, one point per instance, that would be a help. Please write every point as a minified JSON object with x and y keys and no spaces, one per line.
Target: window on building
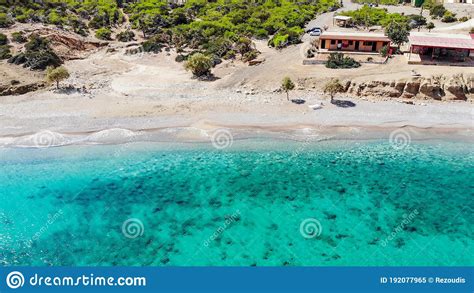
{"x":333,"y":42}
{"x":368,"y":43}
{"x":351,"y":43}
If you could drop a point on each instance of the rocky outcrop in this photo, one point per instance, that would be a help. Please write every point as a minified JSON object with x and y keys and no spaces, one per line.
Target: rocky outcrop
{"x":20,"y":89}
{"x":431,"y":89}
{"x":458,"y":87}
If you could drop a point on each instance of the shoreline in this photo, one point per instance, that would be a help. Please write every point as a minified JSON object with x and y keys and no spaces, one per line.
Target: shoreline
{"x":224,"y":135}
{"x":83,"y":121}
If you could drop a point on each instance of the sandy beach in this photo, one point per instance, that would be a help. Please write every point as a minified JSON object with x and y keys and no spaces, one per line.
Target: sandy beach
{"x":111,"y":90}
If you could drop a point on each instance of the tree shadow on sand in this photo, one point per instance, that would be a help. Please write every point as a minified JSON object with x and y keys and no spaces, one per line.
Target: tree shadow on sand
{"x":210,"y":77}
{"x":343,"y":103}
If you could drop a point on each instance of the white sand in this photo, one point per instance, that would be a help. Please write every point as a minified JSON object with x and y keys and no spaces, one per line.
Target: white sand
{"x":155,"y":92}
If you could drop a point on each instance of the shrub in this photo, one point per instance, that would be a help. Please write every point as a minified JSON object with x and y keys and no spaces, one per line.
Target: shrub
{"x":3,"y":39}
{"x":38,"y":55}
{"x":19,"y":37}
{"x":5,"y":21}
{"x":125,"y":36}
{"x":437,"y":11}
{"x":199,"y":64}
{"x":338,"y":60}
{"x":180,"y":58}
{"x":78,"y":26}
{"x":384,"y":51}
{"x":37,"y":43}
{"x":463,"y":19}
{"x":5,"y":52}
{"x":40,"y":60}
{"x":244,"y":45}
{"x":103,"y":33}
{"x":261,"y":34}
{"x":156,"y":43}
{"x":416,"y":20}
{"x":286,"y":36}
{"x":449,"y":17}
{"x":278,"y":41}
{"x":229,"y":55}
{"x":250,"y":55}
{"x":430,"y":26}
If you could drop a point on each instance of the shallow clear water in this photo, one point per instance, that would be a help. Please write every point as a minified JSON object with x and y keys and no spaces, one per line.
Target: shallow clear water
{"x":159,"y":204}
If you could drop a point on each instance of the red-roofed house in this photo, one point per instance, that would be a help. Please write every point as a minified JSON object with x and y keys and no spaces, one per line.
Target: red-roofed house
{"x":436,"y":48}
{"x":353,"y":42}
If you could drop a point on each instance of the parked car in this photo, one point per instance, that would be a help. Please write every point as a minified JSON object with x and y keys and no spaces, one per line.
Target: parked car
{"x":315,"y":33}
{"x":314,"y":29}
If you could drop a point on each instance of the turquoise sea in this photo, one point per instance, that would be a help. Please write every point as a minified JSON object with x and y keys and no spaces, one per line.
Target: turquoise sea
{"x":256,"y":203}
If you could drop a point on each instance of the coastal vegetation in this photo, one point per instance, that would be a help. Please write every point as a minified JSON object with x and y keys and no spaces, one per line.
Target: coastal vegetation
{"x":333,"y":87}
{"x":370,"y":16}
{"x":398,"y":33}
{"x":57,"y":75}
{"x":19,"y":37}
{"x":219,"y":29}
{"x":103,"y":33}
{"x":339,"y":61}
{"x":199,"y":64}
{"x":4,"y":47}
{"x":439,"y":11}
{"x":37,"y":55}
{"x":125,"y":36}
{"x":287,"y":85}
{"x":377,"y":2}
{"x":429,"y":26}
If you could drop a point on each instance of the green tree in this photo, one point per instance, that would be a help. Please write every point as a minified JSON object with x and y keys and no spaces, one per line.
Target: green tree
{"x":5,"y":20}
{"x":398,"y":33}
{"x":57,"y":74}
{"x":19,"y":37}
{"x":437,"y":11}
{"x":430,"y":25}
{"x":125,"y":36}
{"x":244,"y":45}
{"x":5,"y":52}
{"x":333,"y":87}
{"x":199,"y":64}
{"x":287,"y":85}
{"x":103,"y":33}
{"x":3,"y":39}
